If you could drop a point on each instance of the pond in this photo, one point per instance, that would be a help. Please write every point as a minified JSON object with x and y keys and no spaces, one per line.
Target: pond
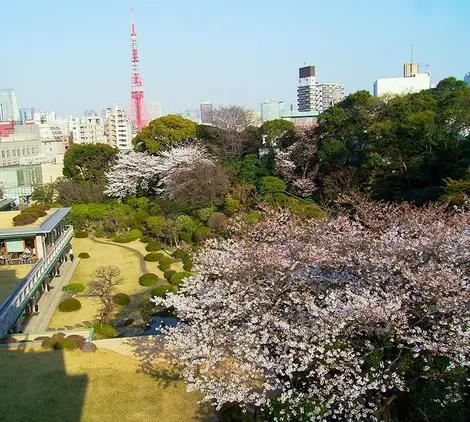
{"x":163,"y":319}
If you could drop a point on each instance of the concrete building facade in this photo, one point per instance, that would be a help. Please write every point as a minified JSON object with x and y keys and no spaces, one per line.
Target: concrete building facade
{"x":118,"y":129}
{"x":9,"y":110}
{"x":271,"y":110}
{"x":12,"y":151}
{"x":411,"y":82}
{"x":88,"y":130}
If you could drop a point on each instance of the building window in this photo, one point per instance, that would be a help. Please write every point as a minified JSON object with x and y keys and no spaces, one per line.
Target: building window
{"x":3,"y":154}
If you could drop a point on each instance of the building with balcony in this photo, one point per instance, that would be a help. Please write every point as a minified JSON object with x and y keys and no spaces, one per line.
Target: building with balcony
{"x":118,"y":128}
{"x":40,"y":248}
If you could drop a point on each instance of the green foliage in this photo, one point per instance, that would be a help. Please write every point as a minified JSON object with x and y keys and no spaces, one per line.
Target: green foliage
{"x":145,"y":239}
{"x":188,"y":264}
{"x":202,"y":234}
{"x":188,"y":224}
{"x":249,"y":169}
{"x":164,"y":132}
{"x":148,"y":279}
{"x":455,"y":191}
{"x":306,"y":211}
{"x":177,"y":279}
{"x":153,"y":256}
{"x":232,"y":206}
{"x":103,"y":330}
{"x":332,"y":154}
{"x":179,"y":254}
{"x":185,"y":237}
{"x":122,"y":299}
{"x":135,"y":233}
{"x":30,"y":215}
{"x":123,"y":239}
{"x":80,"y":234}
{"x":276,"y":129}
{"x":88,"y":162}
{"x":146,"y":309}
{"x":59,"y":342}
{"x":74,"y":287}
{"x":205,"y":213}
{"x":162,"y":290}
{"x":271,"y":185}
{"x":153,"y":247}
{"x":84,"y":255}
{"x":70,"y":305}
{"x":168,"y":273}
{"x":165,"y":263}
{"x":217,"y":221}
{"x":252,"y":216}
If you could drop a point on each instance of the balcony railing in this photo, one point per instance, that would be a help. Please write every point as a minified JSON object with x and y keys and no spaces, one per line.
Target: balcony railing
{"x":17,"y":301}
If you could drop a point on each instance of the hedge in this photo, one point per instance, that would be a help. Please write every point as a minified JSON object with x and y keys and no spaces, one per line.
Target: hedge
{"x":136,"y":233}
{"x":145,"y":239}
{"x":161,"y":291}
{"x":124,"y":239}
{"x":59,"y":342}
{"x":84,"y":255}
{"x":80,"y":234}
{"x":165,"y":263}
{"x":168,"y":273}
{"x":153,"y":247}
{"x":153,"y":257}
{"x":122,"y":299}
{"x":74,"y":287}
{"x":177,"y":279}
{"x":179,"y":254}
{"x":103,"y":330}
{"x":148,"y":279}
{"x":188,"y":264}
{"x":70,"y":305}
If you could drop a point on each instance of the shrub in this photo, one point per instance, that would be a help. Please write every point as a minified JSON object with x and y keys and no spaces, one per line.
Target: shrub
{"x":122,"y":299}
{"x":30,"y":215}
{"x":153,"y":257}
{"x":161,"y":291}
{"x":103,"y":330}
{"x":78,"y":340}
{"x":58,"y":342}
{"x":179,"y":254}
{"x":202,"y":233}
{"x":186,"y":237}
{"x":270,"y":185}
{"x":74,"y":287}
{"x":79,"y":234}
{"x":309,"y":211}
{"x":148,"y":279}
{"x":165,"y":263}
{"x":84,"y":255}
{"x":251,"y":217}
{"x":153,"y":247}
{"x":124,"y":239}
{"x":70,"y":305}
{"x":177,"y":279}
{"x":168,"y":273}
{"x":205,"y":213}
{"x":188,"y":264}
{"x":217,"y":221}
{"x":145,"y":239}
{"x":135,"y":233}
{"x":129,"y":321}
{"x":99,"y":232}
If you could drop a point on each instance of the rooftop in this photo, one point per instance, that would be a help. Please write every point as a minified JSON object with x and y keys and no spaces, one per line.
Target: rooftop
{"x":6,"y":219}
{"x":10,"y":277}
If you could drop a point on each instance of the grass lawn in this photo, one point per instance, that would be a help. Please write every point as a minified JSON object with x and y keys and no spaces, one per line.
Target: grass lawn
{"x":10,"y":276}
{"x":72,"y":386}
{"x":87,"y":312}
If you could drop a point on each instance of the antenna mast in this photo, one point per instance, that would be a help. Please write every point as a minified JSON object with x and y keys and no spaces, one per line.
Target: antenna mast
{"x":138,"y":109}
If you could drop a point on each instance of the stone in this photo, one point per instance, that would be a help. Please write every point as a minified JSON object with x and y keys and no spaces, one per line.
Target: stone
{"x":89,"y":347}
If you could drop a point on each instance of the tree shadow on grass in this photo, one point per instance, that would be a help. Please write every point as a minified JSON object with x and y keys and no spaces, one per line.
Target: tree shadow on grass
{"x":35,"y":387}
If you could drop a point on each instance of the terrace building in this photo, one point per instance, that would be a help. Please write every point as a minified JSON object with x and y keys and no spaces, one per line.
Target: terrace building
{"x":38,"y":249}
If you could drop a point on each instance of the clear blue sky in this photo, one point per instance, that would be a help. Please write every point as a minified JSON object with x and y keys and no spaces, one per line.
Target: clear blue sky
{"x":69,"y":56}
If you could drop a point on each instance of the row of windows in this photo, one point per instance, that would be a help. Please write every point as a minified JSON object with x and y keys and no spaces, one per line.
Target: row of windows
{"x":17,"y":152}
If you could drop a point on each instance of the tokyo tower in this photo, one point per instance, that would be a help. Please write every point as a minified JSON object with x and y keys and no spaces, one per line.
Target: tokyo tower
{"x":138,"y":109}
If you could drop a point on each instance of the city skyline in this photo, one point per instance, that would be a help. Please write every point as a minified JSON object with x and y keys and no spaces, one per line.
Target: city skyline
{"x":225,"y":65}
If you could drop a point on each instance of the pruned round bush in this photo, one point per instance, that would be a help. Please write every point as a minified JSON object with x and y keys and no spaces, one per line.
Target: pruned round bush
{"x":185,"y":237}
{"x":80,"y":234}
{"x":57,"y":342}
{"x":188,"y":264}
{"x":217,"y":221}
{"x":153,"y":247}
{"x":78,"y":340}
{"x":122,"y":299}
{"x":161,"y":291}
{"x":123,"y":239}
{"x":177,"y":279}
{"x":74,"y":288}
{"x":168,"y":273}
{"x":202,"y":234}
{"x":145,"y":239}
{"x":179,"y":254}
{"x":205,"y":213}
{"x":23,"y":220}
{"x":84,"y":255}
{"x":148,"y":279}
{"x":70,"y":305}
{"x":135,"y":233}
{"x":165,"y":263}
{"x":153,"y":256}
{"x":103,"y":330}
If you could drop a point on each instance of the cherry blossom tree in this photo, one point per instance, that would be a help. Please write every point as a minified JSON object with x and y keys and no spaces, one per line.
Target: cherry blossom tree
{"x":332,"y":319}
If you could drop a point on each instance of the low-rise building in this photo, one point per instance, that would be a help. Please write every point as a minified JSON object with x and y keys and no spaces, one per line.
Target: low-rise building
{"x":411,"y":82}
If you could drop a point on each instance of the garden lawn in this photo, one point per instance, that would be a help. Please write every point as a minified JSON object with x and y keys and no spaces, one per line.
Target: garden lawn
{"x":87,"y":312}
{"x":72,"y":386}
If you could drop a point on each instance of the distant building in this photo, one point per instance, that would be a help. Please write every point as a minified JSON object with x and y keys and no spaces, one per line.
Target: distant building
{"x":315,"y":96}
{"x":6,"y":128}
{"x":90,"y":113}
{"x":271,"y":109}
{"x":301,"y":118}
{"x":207,"y":113}
{"x":412,"y":81}
{"x":467,"y":78}
{"x":88,"y":130}
{"x":9,"y":110}
{"x":155,"y":110}
{"x":11,"y":151}
{"x":118,"y":129}
{"x":44,"y":116}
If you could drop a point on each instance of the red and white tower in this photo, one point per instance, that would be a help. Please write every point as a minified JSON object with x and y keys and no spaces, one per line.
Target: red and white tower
{"x":138,"y":112}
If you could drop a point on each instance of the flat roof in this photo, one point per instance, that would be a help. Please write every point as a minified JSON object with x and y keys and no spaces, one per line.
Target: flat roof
{"x":10,"y":277}
{"x":42,"y":225}
{"x":5,"y":202}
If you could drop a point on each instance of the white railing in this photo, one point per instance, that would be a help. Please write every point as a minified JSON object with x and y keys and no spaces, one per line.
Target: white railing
{"x":16,"y":302}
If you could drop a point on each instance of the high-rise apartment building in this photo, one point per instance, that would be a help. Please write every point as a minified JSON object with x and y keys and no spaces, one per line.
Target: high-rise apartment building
{"x":271,"y":109}
{"x":9,"y":110}
{"x":467,"y":78}
{"x":118,"y":128}
{"x":315,"y":96}
{"x":155,"y":110}
{"x":88,"y":130}
{"x":207,"y":113}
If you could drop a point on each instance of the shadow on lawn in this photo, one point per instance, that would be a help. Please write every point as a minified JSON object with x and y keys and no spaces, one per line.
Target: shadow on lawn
{"x":36,"y":388}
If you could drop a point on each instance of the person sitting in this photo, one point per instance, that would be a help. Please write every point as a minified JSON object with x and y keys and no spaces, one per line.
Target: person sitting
{"x":27,"y":251}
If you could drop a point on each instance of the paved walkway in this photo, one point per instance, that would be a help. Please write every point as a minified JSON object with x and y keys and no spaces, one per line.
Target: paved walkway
{"x":49,"y":301}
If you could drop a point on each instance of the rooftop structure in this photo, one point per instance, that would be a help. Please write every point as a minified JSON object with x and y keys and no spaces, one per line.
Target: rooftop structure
{"x":411,"y":82}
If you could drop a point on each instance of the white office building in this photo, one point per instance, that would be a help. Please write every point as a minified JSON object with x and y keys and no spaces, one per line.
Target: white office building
{"x":9,"y":110}
{"x":118,"y":129}
{"x":88,"y":130}
{"x":271,"y":110}
{"x":155,"y":110}
{"x":411,"y":82}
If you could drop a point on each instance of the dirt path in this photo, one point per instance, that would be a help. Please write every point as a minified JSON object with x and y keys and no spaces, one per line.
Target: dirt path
{"x":143,"y":263}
